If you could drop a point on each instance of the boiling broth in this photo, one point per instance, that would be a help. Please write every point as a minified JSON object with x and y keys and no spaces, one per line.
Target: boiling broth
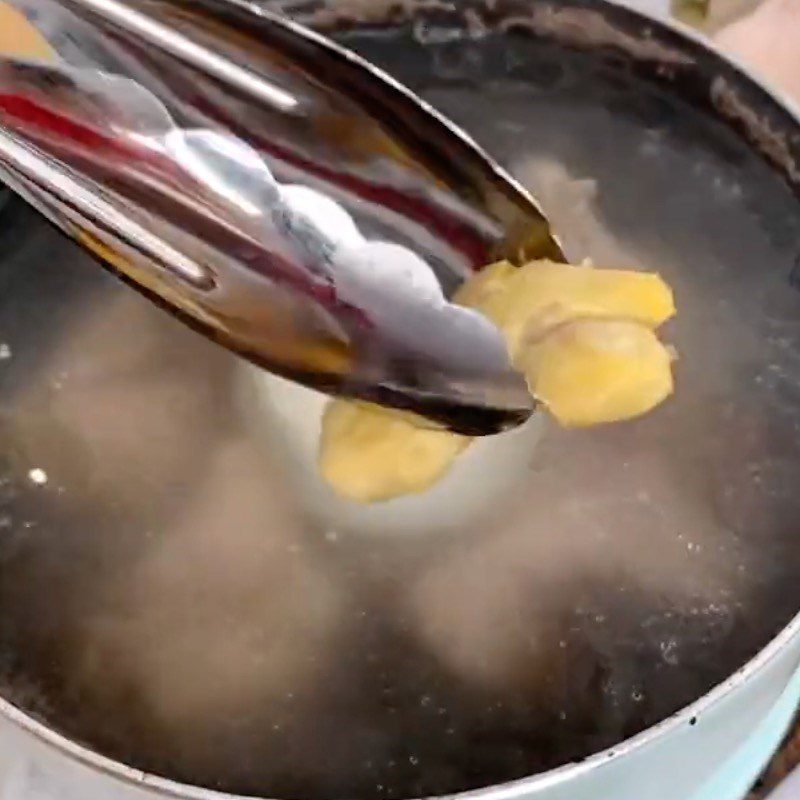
{"x":178,"y":594}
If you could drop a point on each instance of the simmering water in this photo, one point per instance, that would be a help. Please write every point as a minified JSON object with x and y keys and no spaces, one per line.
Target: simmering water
{"x":178,"y":591}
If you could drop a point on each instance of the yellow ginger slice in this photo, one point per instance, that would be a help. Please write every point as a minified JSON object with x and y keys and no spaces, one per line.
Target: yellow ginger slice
{"x":488,"y":284}
{"x":525,"y":303}
{"x":19,"y":39}
{"x":584,"y":340}
{"x":590,"y":372}
{"x":369,"y":453}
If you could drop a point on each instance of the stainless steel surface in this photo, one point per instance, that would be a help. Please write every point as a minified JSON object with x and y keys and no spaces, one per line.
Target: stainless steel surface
{"x":183,"y":595}
{"x":161,"y":160}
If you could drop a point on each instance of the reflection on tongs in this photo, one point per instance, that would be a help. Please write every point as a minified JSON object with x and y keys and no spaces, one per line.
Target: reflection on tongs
{"x":298,"y":217}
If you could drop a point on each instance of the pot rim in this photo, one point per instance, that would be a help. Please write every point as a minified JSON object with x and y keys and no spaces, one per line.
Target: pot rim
{"x":503,"y":791}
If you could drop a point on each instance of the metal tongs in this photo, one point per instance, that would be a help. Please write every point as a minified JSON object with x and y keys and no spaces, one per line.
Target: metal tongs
{"x":276,"y":192}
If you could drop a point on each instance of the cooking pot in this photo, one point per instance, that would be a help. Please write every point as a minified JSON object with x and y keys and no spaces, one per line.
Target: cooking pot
{"x":187,"y":611}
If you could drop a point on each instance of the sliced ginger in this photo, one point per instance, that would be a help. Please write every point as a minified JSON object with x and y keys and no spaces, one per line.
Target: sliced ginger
{"x":525,"y":303}
{"x":369,"y":453}
{"x":20,"y":39}
{"x":593,"y":371}
{"x":582,"y":337}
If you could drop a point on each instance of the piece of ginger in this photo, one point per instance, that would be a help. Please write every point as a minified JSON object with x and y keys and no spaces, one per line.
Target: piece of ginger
{"x":526,"y":302}
{"x":369,"y":453}
{"x":589,"y":372}
{"x":582,"y":337}
{"x":20,"y":39}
